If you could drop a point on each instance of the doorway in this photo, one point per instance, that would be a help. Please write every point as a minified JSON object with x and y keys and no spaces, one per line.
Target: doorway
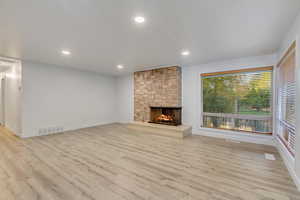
{"x":2,"y":100}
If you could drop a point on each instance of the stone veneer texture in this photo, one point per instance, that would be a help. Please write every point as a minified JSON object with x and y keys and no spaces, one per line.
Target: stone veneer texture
{"x":157,"y":87}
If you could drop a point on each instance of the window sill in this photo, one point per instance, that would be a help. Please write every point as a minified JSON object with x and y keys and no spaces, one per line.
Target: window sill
{"x":242,"y":132}
{"x":237,"y":132}
{"x":235,"y":135}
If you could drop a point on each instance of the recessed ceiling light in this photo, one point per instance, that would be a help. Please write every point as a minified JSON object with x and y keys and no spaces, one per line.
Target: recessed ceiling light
{"x":120,"y":66}
{"x":185,"y":53}
{"x":66,"y":52}
{"x":139,"y":19}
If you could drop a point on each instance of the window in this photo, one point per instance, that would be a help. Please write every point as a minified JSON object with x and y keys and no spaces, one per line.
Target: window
{"x":238,"y":100}
{"x":286,"y":90}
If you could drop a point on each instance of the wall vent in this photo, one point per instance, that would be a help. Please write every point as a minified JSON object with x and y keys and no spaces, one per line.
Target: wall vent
{"x":50,"y":130}
{"x":269,"y":156}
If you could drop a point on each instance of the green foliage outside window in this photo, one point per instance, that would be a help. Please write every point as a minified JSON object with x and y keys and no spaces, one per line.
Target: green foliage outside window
{"x":248,"y":93}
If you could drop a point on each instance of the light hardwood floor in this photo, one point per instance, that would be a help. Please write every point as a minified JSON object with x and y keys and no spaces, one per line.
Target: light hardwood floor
{"x":113,"y":162}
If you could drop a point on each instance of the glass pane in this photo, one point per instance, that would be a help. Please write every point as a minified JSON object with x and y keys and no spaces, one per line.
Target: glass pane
{"x":238,"y":101}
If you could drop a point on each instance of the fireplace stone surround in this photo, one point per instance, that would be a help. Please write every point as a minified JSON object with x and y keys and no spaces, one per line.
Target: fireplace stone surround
{"x":156,"y":88}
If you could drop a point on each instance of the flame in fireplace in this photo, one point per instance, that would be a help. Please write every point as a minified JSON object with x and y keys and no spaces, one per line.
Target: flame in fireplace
{"x":166,"y":118}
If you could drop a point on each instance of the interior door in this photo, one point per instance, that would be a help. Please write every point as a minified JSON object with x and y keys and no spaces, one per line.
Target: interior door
{"x":2,"y":101}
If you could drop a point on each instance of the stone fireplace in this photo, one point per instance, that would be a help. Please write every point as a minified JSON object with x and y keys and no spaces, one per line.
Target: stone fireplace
{"x":158,"y":91}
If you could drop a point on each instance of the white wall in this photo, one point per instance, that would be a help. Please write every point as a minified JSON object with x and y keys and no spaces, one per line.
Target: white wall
{"x":56,"y":96}
{"x":125,"y":96}
{"x":13,"y":98}
{"x":293,"y":164}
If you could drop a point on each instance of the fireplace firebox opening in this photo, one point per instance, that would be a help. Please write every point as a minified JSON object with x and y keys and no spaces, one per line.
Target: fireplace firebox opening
{"x":165,"y":115}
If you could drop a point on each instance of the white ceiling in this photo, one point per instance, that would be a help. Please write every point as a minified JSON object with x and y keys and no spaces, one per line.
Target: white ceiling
{"x":101,"y":33}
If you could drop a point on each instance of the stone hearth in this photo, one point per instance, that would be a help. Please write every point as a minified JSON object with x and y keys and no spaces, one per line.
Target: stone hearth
{"x":163,"y":130}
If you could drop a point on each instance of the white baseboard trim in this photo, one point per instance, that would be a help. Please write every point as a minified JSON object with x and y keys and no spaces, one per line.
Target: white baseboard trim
{"x":239,"y":136}
{"x":288,"y":161}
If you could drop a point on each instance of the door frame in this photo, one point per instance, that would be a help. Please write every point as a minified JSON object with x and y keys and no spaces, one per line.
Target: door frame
{"x":2,"y":113}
